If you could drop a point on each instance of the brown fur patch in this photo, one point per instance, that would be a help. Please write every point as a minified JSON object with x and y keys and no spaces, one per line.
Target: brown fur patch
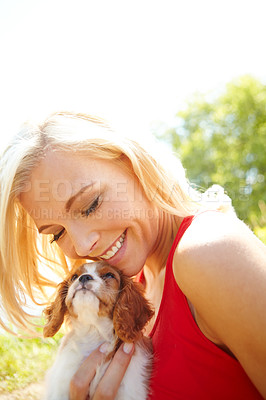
{"x":110,"y":290}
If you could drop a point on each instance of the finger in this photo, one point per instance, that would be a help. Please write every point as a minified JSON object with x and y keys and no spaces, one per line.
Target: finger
{"x":80,"y":383}
{"x":109,"y":384}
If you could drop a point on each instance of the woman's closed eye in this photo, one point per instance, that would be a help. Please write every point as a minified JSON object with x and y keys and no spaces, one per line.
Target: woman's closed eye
{"x":93,"y":207}
{"x":57,"y":236}
{"x":84,"y":213}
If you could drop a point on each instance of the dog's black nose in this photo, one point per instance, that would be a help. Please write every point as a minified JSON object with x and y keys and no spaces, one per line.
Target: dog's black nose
{"x":85,"y":278}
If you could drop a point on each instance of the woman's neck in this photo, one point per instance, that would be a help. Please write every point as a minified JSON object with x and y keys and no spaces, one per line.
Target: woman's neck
{"x":167,"y":229}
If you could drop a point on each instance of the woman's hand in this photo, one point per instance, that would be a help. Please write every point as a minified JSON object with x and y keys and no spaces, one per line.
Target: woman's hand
{"x":110,"y":382}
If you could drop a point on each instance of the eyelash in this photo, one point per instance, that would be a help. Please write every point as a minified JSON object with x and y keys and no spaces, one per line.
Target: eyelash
{"x":92,"y":208}
{"x":74,"y":277}
{"x":57,"y":236}
{"x":84,"y":213}
{"x":108,"y":275}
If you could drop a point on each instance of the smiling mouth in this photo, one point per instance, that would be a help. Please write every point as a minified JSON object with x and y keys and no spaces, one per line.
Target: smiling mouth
{"x":117,"y":246}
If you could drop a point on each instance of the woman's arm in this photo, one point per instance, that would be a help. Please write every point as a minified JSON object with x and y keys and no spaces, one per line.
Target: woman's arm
{"x":110,"y":382}
{"x":221,"y":268}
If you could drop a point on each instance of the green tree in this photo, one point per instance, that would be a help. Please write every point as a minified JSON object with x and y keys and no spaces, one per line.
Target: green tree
{"x":223,"y":141}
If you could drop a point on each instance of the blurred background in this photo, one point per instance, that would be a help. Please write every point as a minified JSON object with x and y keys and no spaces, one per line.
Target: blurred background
{"x":191,"y":73}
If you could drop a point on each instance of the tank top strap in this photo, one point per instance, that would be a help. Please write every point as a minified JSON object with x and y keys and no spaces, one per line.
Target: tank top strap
{"x":182,"y":229}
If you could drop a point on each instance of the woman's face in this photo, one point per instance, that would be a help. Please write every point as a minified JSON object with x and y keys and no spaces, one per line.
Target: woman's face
{"x":92,"y":208}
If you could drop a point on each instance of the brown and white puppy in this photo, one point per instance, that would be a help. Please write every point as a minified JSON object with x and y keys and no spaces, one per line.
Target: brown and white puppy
{"x":100,"y":305}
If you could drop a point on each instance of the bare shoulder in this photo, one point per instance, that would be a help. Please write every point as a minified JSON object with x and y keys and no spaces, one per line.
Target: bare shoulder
{"x":219,"y":248}
{"x":214,"y":238}
{"x":214,"y":229}
{"x":220,"y":266}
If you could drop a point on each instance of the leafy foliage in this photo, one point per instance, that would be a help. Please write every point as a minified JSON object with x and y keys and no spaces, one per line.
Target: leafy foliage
{"x":223,"y":141}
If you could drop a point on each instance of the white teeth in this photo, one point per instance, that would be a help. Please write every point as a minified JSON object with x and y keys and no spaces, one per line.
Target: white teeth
{"x":118,"y":244}
{"x":115,"y":248}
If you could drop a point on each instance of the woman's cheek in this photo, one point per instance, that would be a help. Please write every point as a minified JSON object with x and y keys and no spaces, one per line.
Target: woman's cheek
{"x":67,"y":247}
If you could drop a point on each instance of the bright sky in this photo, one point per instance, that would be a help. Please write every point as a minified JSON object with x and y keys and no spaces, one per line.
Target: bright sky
{"x":132,"y":62}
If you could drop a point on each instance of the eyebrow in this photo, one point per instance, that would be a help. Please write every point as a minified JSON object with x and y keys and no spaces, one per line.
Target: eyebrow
{"x":69,"y":203}
{"x":71,"y":200}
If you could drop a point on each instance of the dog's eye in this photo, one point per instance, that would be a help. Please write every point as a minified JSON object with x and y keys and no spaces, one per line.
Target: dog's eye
{"x":74,"y":277}
{"x":108,"y":275}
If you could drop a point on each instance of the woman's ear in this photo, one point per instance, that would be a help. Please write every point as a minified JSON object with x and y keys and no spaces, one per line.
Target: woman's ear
{"x":56,"y":311}
{"x":132,"y":311}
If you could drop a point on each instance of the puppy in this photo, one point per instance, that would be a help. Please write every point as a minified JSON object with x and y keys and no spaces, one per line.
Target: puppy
{"x":100,"y":305}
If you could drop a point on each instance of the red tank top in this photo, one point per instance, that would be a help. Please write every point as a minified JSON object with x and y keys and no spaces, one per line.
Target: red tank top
{"x":187,"y":365}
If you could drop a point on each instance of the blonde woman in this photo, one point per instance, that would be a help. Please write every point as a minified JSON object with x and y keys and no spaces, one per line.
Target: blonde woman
{"x":70,"y":190}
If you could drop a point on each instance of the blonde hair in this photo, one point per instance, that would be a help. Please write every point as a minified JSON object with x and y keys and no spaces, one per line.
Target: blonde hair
{"x":22,"y":252}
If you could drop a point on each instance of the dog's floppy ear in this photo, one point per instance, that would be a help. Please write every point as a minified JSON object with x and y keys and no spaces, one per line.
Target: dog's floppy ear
{"x":56,"y":311}
{"x":131,"y":312}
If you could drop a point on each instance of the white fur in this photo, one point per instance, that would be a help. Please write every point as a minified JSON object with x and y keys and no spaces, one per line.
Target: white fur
{"x":88,"y":332}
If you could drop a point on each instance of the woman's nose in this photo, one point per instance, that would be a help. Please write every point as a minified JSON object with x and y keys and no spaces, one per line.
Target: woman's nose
{"x":84,"y":243}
